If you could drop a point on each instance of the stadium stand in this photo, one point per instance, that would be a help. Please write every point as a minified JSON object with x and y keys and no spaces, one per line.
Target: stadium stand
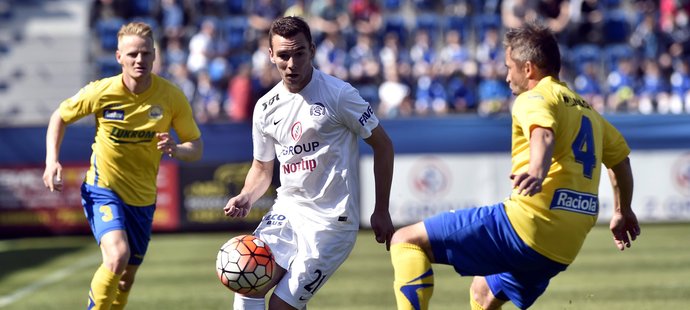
{"x":236,"y":42}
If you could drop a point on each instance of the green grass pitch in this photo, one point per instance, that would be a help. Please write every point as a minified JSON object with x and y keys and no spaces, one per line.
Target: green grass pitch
{"x":54,"y":273}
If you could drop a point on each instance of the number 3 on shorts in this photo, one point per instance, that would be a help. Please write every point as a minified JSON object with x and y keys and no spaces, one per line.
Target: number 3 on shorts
{"x":107,"y":213}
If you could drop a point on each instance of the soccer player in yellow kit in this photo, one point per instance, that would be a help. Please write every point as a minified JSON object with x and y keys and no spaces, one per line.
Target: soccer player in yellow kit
{"x":134,"y":112}
{"x":515,"y":247}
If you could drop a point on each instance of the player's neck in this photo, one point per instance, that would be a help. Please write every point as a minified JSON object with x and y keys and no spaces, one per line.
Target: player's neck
{"x":137,"y":86}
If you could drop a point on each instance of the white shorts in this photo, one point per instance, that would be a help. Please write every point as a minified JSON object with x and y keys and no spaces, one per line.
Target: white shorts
{"x":309,"y":254}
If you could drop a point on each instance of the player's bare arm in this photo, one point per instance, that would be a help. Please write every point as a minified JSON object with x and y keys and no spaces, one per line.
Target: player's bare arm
{"x":186,"y":151}
{"x":52,"y":175}
{"x":541,"y":150}
{"x":624,"y":225}
{"x":383,"y":172}
{"x":255,"y":185}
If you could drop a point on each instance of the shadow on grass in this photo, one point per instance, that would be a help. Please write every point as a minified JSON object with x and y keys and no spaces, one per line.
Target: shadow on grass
{"x":12,"y":261}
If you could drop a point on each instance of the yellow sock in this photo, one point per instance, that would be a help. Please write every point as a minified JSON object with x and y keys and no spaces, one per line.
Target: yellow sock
{"x":103,"y":289}
{"x":414,"y":278}
{"x":120,"y":300}
{"x":474,"y":305}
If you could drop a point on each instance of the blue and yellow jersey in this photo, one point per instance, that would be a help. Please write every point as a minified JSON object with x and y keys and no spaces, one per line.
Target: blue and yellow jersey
{"x":124,"y":155}
{"x":556,"y":221}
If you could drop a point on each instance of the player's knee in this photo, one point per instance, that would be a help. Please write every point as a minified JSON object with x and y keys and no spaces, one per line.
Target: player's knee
{"x":410,"y":234}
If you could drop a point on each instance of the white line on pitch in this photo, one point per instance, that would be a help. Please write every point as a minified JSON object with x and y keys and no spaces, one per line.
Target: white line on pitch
{"x":52,"y":278}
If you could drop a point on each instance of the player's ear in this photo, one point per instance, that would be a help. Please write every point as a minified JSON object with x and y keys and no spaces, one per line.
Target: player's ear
{"x":118,"y":56}
{"x":270,"y":55}
{"x":529,"y":69}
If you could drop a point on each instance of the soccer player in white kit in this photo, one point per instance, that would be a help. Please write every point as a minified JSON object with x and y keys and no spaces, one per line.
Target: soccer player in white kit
{"x":311,"y":123}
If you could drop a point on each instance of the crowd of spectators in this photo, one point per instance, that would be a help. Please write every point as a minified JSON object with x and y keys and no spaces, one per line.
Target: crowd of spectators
{"x":412,"y":57}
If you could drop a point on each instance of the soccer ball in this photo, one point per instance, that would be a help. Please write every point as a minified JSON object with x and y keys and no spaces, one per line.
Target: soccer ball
{"x":245,"y":264}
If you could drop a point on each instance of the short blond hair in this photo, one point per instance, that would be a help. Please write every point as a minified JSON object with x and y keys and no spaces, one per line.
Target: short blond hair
{"x":136,"y":28}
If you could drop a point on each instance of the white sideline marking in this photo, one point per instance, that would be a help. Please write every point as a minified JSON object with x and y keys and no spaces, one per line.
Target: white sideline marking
{"x":52,"y":278}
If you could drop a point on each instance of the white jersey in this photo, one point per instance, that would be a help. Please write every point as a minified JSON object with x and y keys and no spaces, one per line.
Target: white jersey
{"x":315,"y":135}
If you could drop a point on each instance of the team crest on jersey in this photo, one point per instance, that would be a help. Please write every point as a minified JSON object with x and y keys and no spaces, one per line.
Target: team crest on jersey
{"x":155,"y":112}
{"x":317,"y":110}
{"x":112,"y":114}
{"x":296,"y":131}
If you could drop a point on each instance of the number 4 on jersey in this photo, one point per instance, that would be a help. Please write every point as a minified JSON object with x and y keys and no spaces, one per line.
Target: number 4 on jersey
{"x":583,"y":148}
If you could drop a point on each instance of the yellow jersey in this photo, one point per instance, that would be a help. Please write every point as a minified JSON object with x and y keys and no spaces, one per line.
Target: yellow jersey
{"x":556,"y":221}
{"x":124,"y":156}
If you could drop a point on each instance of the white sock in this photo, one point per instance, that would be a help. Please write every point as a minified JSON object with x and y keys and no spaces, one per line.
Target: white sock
{"x":248,"y":303}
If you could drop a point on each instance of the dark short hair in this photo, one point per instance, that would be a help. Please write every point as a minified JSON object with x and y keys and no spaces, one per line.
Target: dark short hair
{"x":535,"y":43}
{"x":288,"y":27}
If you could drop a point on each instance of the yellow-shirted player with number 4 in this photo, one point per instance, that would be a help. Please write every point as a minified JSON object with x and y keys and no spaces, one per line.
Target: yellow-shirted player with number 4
{"x":134,"y":113}
{"x":515,"y":247}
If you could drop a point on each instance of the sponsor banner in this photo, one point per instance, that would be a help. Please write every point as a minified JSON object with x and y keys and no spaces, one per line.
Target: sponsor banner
{"x":424,"y":185}
{"x":27,"y":207}
{"x":206,"y":188}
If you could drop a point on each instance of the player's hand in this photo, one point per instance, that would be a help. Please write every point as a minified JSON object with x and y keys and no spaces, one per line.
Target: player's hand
{"x":624,"y":228}
{"x":52,"y":177}
{"x":166,"y":144}
{"x":526,"y":184}
{"x":238,"y":206}
{"x":383,"y":227}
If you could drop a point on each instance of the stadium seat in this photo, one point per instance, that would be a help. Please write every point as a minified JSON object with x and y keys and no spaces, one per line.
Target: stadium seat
{"x":395,"y":24}
{"x":369,"y":92}
{"x":142,"y":7}
{"x":391,"y":5}
{"x":582,"y":54}
{"x":6,"y":10}
{"x":613,"y":53}
{"x":431,"y":22}
{"x":235,"y":29}
{"x":107,"y":66}
{"x":483,"y":22}
{"x":106,"y":30}
{"x":617,"y":28}
{"x":237,"y":7}
{"x":459,"y":23}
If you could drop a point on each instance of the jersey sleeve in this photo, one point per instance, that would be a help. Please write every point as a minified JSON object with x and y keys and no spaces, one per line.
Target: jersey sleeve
{"x":532,"y":110}
{"x":183,"y":122}
{"x":263,"y":145}
{"x":81,"y":104}
{"x":616,"y":148}
{"x":356,"y":113}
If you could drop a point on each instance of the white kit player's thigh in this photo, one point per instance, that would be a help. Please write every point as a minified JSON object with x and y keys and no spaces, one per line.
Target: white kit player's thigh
{"x":319,"y":254}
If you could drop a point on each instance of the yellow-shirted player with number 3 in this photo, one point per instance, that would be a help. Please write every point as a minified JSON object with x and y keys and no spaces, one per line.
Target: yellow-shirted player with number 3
{"x":134,"y":113}
{"x":514,"y":248}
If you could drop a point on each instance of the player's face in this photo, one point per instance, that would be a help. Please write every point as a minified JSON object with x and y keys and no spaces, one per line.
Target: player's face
{"x":135,"y":54}
{"x":293,"y":57}
{"x":516,"y":77}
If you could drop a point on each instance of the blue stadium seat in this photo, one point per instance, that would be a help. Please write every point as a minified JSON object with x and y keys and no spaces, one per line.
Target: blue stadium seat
{"x":431,"y":22}
{"x":142,"y":7}
{"x":584,"y":53}
{"x":237,"y":7}
{"x":613,"y":53}
{"x":483,"y":22}
{"x":235,"y":29}
{"x":391,"y":5}
{"x":617,"y":28}
{"x":460,"y":24}
{"x":106,"y":30}
{"x":396,"y":24}
{"x":107,"y":66}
